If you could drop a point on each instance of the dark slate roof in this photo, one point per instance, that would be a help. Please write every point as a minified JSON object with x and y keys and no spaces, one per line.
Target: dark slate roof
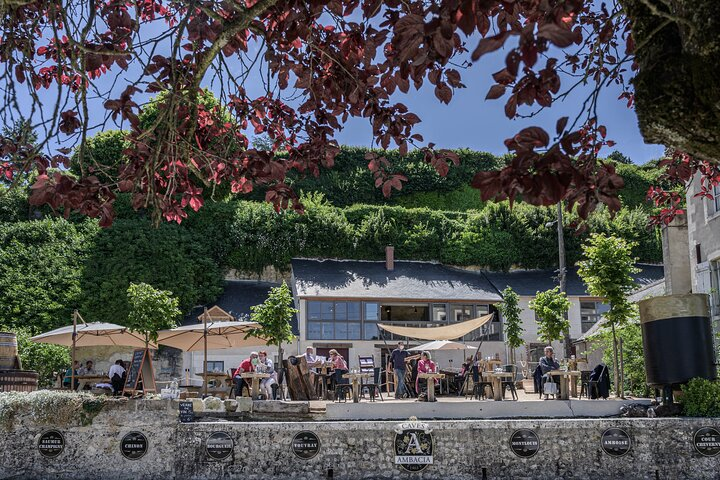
{"x":408,"y":280}
{"x":529,"y":282}
{"x":237,"y":298}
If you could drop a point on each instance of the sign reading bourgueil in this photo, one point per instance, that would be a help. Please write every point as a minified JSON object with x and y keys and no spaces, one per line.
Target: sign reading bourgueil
{"x":413,"y":445}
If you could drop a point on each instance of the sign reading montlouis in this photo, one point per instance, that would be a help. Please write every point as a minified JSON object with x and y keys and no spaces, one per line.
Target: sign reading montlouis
{"x":707,"y":441}
{"x":615,"y":442}
{"x":134,"y":445}
{"x":51,"y":443}
{"x":413,"y":445}
{"x":219,"y":446}
{"x":524,"y":443}
{"x":305,"y":445}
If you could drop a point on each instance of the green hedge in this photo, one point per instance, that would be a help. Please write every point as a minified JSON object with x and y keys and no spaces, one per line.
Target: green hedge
{"x":250,"y":236}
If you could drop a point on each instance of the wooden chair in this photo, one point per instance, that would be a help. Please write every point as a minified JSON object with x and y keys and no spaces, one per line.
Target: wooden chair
{"x":479,"y":385}
{"x":367,"y":365}
{"x":505,"y":384}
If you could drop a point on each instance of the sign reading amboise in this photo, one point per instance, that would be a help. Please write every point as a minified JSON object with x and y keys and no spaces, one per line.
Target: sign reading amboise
{"x":413,"y":445}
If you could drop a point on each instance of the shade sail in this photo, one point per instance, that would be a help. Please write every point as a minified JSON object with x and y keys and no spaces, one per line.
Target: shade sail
{"x":220,"y":335}
{"x":93,"y":334}
{"x":442,"y":345}
{"x":447,"y":332}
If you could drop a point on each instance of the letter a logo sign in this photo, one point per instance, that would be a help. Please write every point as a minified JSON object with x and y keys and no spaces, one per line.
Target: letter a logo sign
{"x":413,"y":446}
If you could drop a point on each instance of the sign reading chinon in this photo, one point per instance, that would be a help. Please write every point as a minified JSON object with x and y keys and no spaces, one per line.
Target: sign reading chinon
{"x":413,"y":445}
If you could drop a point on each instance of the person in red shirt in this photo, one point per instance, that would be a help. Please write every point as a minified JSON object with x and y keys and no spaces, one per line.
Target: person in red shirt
{"x":247,"y":365}
{"x":425,"y":365}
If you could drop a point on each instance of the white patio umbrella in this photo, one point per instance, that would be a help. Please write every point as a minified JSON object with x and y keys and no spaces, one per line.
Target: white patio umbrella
{"x":210,"y":336}
{"x":442,"y":345}
{"x":90,"y":335}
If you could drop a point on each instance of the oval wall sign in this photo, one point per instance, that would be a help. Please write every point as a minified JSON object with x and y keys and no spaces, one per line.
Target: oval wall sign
{"x":524,"y":443}
{"x":706,"y":441}
{"x":219,"y":446}
{"x":134,"y":445}
{"x":51,"y":443}
{"x":305,"y":445}
{"x":615,"y":442}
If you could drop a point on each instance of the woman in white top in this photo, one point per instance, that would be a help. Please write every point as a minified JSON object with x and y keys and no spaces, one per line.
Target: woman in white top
{"x":265,"y":365}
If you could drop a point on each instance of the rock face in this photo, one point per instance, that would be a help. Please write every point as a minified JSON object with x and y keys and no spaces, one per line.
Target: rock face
{"x":462,"y":449}
{"x":677,"y":97}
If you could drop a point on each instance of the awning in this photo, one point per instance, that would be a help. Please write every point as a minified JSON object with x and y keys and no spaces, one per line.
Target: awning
{"x":448,"y":332}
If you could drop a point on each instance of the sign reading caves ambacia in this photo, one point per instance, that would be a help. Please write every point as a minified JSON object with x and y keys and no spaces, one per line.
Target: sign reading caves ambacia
{"x":413,"y":445}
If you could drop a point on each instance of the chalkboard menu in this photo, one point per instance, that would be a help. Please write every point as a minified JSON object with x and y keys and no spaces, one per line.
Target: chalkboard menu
{"x":187,"y":415}
{"x":615,"y":442}
{"x":134,"y":445}
{"x":524,"y":443}
{"x":707,"y":441}
{"x":219,"y":446}
{"x":140,"y":373}
{"x":51,"y":444}
{"x":305,"y":445}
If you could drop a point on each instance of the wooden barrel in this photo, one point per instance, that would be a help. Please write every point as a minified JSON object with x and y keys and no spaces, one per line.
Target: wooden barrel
{"x":18,"y":381}
{"x":8,"y":350}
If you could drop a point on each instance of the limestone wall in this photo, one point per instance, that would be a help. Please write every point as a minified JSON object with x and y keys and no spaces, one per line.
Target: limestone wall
{"x":662,"y":448}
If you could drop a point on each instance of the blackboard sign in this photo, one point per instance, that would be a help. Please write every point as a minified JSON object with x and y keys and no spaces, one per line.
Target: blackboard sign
{"x":51,"y":444}
{"x":305,"y":445}
{"x":140,"y":372}
{"x":187,"y":415}
{"x":134,"y":445}
{"x":615,"y":442}
{"x":707,"y":441}
{"x":219,"y":446}
{"x":524,"y":443}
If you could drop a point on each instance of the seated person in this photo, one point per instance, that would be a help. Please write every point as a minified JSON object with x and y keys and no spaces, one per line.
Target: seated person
{"x":69,"y":373}
{"x":117,"y":376}
{"x":247,"y":365}
{"x":548,"y":364}
{"x":461,"y":377}
{"x":425,"y":365}
{"x":88,"y":369}
{"x":339,"y":366}
{"x":313,"y":361}
{"x":265,"y":365}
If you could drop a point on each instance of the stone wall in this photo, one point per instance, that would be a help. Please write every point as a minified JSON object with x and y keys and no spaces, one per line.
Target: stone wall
{"x":466,"y":449}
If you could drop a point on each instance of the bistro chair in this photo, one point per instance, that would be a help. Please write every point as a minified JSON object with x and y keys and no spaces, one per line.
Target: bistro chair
{"x":505,"y":384}
{"x":342,"y":387}
{"x":367,"y":365}
{"x":478,"y":389}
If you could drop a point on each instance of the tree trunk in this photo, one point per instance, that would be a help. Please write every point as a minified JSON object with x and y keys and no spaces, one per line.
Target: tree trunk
{"x":616,"y":376}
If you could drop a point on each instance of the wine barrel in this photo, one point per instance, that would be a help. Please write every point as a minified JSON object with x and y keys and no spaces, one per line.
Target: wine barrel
{"x":8,"y":350}
{"x":677,"y":339}
{"x":18,"y":381}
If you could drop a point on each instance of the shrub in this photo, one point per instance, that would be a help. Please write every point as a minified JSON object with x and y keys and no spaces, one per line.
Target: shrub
{"x":701,"y":398}
{"x":44,"y":358}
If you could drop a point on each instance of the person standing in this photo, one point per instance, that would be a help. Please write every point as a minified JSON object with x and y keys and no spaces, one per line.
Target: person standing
{"x":397,"y":363}
{"x":247,"y":365}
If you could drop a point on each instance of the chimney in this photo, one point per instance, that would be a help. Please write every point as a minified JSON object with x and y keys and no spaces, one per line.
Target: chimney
{"x":390,"y":258}
{"x":676,"y":256}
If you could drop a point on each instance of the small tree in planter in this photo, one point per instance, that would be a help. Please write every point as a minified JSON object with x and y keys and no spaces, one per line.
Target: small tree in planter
{"x":151,"y":310}
{"x":274,"y":316}
{"x":606,"y":270}
{"x":511,"y":312}
{"x":551,"y":309}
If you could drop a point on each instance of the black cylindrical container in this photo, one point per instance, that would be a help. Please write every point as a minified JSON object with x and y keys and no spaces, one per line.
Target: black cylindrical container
{"x":677,"y":339}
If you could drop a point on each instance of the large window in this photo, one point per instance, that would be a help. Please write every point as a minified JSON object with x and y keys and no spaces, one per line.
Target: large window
{"x":590,"y":313}
{"x":714,"y":202}
{"x":341,"y":321}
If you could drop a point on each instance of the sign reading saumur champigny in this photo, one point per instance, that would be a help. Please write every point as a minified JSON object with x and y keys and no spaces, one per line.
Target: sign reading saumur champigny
{"x":51,"y":443}
{"x":413,"y":445}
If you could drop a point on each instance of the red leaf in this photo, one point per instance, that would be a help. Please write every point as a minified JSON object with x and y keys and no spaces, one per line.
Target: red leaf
{"x":489,"y":44}
{"x":496,"y":91}
{"x":560,"y":126}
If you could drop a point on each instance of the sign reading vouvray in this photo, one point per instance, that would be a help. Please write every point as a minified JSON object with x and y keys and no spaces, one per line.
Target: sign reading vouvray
{"x":706,"y":441}
{"x":51,"y":444}
{"x":615,"y":442}
{"x":524,"y":443}
{"x":413,"y":445}
{"x":134,"y":445}
{"x":305,"y":445}
{"x":219,"y":446}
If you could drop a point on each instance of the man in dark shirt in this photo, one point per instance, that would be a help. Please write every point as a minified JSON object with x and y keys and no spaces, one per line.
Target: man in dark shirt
{"x":548,"y":364}
{"x":397,"y":363}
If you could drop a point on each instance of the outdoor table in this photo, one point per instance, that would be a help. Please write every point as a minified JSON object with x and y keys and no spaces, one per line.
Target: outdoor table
{"x":431,"y":390}
{"x":496,"y":378}
{"x":217,"y":382}
{"x":566,"y":377}
{"x":355,"y":379}
{"x":84,"y":380}
{"x":255,"y":384}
